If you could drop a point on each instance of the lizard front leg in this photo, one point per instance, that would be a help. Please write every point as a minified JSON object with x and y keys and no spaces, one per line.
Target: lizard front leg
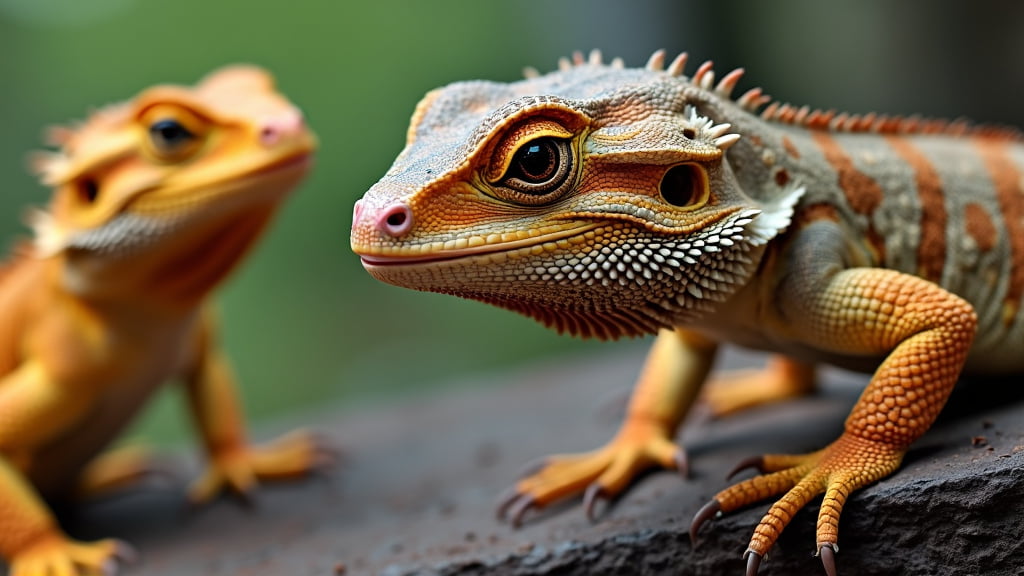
{"x":34,"y":409}
{"x":924,"y":332}
{"x":675,"y":369}
{"x":235,"y":465}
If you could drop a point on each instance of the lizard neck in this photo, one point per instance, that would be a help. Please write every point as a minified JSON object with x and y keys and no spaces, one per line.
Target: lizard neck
{"x":173,"y":276}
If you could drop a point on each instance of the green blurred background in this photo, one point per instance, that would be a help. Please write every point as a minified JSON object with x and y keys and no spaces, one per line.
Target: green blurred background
{"x":304,"y":323}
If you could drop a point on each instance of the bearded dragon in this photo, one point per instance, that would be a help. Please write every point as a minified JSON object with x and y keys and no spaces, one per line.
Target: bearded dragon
{"x":607,"y":201}
{"x":155,"y":201}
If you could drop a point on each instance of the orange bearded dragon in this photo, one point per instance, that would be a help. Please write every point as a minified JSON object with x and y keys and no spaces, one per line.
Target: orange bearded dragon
{"x":156,"y":200}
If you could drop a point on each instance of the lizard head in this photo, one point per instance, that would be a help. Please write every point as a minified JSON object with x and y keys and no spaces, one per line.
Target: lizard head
{"x":140,"y":179}
{"x":596,"y":199}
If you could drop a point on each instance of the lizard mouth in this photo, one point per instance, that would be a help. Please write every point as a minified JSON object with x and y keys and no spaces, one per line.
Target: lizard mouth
{"x":437,"y":252}
{"x":263,"y":182}
{"x":301,"y":160}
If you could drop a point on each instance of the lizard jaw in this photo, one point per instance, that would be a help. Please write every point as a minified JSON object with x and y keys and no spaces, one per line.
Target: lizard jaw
{"x":438,"y":252}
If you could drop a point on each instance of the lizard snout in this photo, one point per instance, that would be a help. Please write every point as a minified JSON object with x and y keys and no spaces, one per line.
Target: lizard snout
{"x":394,"y":219}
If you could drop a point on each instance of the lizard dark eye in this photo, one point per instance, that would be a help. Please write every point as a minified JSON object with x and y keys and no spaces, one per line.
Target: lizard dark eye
{"x":89,"y":190}
{"x":169,"y":135}
{"x":685,"y":186}
{"x":536,"y":162}
{"x":539,"y":170}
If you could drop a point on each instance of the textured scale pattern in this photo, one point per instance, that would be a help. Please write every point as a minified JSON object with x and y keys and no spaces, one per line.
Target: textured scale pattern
{"x":870,"y":242}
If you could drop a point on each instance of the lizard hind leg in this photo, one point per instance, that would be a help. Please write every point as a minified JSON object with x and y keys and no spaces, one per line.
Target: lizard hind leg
{"x":782,"y":379}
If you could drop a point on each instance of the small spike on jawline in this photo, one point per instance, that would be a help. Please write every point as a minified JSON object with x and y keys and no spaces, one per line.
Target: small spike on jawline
{"x":595,"y":59}
{"x":725,"y":142}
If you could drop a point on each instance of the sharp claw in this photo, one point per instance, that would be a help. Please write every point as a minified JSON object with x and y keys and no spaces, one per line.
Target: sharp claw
{"x":828,"y":558}
{"x":505,"y":501}
{"x":751,"y":462}
{"x":512,"y":505}
{"x":519,"y":509}
{"x":753,"y":563}
{"x":705,"y":513}
{"x":125,"y":552}
{"x":682,"y":463}
{"x":594,"y":493}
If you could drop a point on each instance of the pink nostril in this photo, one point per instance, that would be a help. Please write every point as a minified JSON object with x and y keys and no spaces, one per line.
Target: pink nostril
{"x":396,"y":220}
{"x":281,"y":126}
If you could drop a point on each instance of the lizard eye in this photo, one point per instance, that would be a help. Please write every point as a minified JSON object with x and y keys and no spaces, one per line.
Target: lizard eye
{"x":88,"y":190}
{"x":539,"y":170}
{"x":169,"y":136}
{"x":171,"y":133}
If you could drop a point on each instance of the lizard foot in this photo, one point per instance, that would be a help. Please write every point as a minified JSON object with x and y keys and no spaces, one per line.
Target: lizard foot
{"x":781,"y":379}
{"x":847,"y":464}
{"x":58,"y":556}
{"x":239,"y":471}
{"x":600,"y":474}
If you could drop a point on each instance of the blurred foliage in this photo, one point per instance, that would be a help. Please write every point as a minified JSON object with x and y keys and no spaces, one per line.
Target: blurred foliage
{"x":303,"y":322}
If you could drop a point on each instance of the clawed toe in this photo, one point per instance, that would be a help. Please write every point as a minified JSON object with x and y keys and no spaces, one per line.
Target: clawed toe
{"x":124,"y":551}
{"x":846,"y":465}
{"x":753,"y":562}
{"x":682,"y":463}
{"x":596,"y":476}
{"x":513,"y":506}
{"x":706,"y":512}
{"x":595,"y":493}
{"x":827,"y":553}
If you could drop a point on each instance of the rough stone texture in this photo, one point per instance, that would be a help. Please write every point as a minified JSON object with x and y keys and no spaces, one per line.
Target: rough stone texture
{"x":417,"y":491}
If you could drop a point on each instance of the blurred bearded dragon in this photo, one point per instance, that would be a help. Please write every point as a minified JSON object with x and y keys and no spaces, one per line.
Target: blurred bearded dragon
{"x":156,"y":200}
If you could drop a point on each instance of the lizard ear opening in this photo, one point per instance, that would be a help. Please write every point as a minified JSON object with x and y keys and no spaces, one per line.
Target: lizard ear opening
{"x":685,"y":186}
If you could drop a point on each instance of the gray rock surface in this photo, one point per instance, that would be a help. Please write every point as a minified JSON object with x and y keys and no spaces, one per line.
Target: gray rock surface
{"x":416,"y":493}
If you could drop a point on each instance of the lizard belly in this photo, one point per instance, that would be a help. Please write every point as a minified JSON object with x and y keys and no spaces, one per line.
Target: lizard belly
{"x":754,"y":339}
{"x":54,"y":468}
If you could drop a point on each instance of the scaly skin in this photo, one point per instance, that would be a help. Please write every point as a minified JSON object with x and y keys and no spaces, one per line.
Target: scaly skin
{"x":156,"y":200}
{"x":609,"y":202}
